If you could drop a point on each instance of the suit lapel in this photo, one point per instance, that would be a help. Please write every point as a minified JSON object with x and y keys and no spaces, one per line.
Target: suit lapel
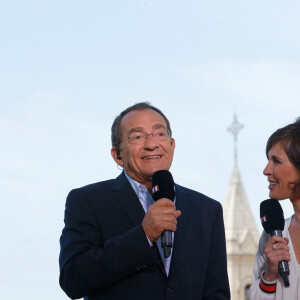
{"x":127,"y":199}
{"x":182,"y":205}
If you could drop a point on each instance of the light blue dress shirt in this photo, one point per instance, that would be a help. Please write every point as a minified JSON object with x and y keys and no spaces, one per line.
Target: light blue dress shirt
{"x":146,"y":200}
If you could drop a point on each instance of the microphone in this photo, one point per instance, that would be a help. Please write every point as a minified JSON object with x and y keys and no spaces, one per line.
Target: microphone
{"x":163,"y":187}
{"x":272,"y":220}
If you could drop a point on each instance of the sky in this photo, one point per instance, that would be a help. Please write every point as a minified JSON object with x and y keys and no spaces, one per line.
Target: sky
{"x":68,"y":68}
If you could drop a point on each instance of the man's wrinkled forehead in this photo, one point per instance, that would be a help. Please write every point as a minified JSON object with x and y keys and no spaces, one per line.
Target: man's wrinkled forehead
{"x":132,"y":115}
{"x":142,"y":129}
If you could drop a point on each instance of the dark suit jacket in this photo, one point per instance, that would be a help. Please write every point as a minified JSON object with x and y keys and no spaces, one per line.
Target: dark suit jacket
{"x":105,"y":253}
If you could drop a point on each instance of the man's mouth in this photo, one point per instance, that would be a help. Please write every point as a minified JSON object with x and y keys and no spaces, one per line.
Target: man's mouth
{"x":151,"y":157}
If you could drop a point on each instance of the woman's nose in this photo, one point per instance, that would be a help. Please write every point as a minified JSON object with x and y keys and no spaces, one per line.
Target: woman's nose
{"x":267,"y":169}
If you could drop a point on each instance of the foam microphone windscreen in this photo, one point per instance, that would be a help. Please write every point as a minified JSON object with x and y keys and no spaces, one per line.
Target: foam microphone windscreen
{"x":163,"y":185}
{"x":271,"y":215}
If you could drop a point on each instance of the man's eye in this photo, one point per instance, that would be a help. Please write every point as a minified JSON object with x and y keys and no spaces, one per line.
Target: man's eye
{"x":160,"y":134}
{"x":136,"y":136}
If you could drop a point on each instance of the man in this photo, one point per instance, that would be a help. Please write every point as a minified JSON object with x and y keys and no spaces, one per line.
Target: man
{"x":110,"y":245}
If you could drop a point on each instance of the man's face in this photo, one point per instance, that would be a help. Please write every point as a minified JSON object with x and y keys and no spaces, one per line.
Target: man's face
{"x":141,"y":158}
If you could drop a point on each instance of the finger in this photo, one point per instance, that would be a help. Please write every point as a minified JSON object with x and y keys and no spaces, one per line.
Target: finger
{"x":177,"y":213}
{"x":164,"y":202}
{"x":277,"y":239}
{"x":274,"y":244}
{"x":277,"y":246}
{"x":167,"y":218}
{"x":282,"y":247}
{"x":282,"y":256}
{"x":163,"y":210}
{"x":275,"y":256}
{"x":272,"y":261}
{"x":168,"y":226}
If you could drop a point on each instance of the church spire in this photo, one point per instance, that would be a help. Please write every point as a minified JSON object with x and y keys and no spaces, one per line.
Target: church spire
{"x":235,"y":129}
{"x":240,"y":229}
{"x":238,"y":218}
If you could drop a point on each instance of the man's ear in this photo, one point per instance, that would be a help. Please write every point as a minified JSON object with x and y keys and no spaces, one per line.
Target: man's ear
{"x":173,"y":143}
{"x":116,"y":156}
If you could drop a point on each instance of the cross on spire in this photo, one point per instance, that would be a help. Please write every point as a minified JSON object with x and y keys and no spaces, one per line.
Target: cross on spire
{"x":235,"y":129}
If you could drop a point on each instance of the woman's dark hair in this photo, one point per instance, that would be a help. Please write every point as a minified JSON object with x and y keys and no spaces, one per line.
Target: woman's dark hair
{"x":116,"y":135}
{"x":289,"y":138}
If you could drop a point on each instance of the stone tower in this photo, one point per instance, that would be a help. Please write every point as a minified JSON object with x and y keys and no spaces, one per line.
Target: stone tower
{"x":241,"y":233}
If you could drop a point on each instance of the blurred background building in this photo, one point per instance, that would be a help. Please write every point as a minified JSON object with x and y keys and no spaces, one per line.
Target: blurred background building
{"x":241,"y":233}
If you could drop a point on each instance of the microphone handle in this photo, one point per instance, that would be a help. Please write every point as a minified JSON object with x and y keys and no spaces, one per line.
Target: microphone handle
{"x":283,"y":266}
{"x":166,"y":242}
{"x":276,"y":232}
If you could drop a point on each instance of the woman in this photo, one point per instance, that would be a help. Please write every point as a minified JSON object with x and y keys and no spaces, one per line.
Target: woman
{"x":283,"y":173}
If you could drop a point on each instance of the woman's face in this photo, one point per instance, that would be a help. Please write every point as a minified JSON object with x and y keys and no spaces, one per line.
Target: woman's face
{"x":281,"y":173}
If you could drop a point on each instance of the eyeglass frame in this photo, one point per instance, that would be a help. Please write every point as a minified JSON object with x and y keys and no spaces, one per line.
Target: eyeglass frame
{"x":145,"y":135}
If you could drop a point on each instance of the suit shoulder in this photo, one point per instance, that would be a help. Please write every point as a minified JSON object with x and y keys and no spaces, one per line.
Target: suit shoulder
{"x":199,"y":197}
{"x":91,"y":190}
{"x":97,"y":185}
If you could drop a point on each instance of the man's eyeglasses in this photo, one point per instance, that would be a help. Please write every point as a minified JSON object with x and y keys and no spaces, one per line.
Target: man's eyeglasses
{"x":140,"y":137}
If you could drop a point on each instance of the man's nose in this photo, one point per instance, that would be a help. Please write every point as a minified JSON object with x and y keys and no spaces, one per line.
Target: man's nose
{"x":150,"y":141}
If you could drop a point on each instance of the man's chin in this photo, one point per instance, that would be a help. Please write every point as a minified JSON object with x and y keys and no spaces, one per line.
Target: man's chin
{"x":158,"y":169}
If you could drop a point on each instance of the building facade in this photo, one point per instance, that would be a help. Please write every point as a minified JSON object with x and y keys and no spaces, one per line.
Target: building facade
{"x":241,"y":238}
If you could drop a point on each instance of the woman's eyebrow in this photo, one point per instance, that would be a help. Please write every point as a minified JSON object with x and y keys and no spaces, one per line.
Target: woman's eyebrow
{"x":274,"y":157}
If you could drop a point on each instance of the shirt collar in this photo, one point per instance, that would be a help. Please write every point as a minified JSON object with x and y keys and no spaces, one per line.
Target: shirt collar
{"x":137,"y":187}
